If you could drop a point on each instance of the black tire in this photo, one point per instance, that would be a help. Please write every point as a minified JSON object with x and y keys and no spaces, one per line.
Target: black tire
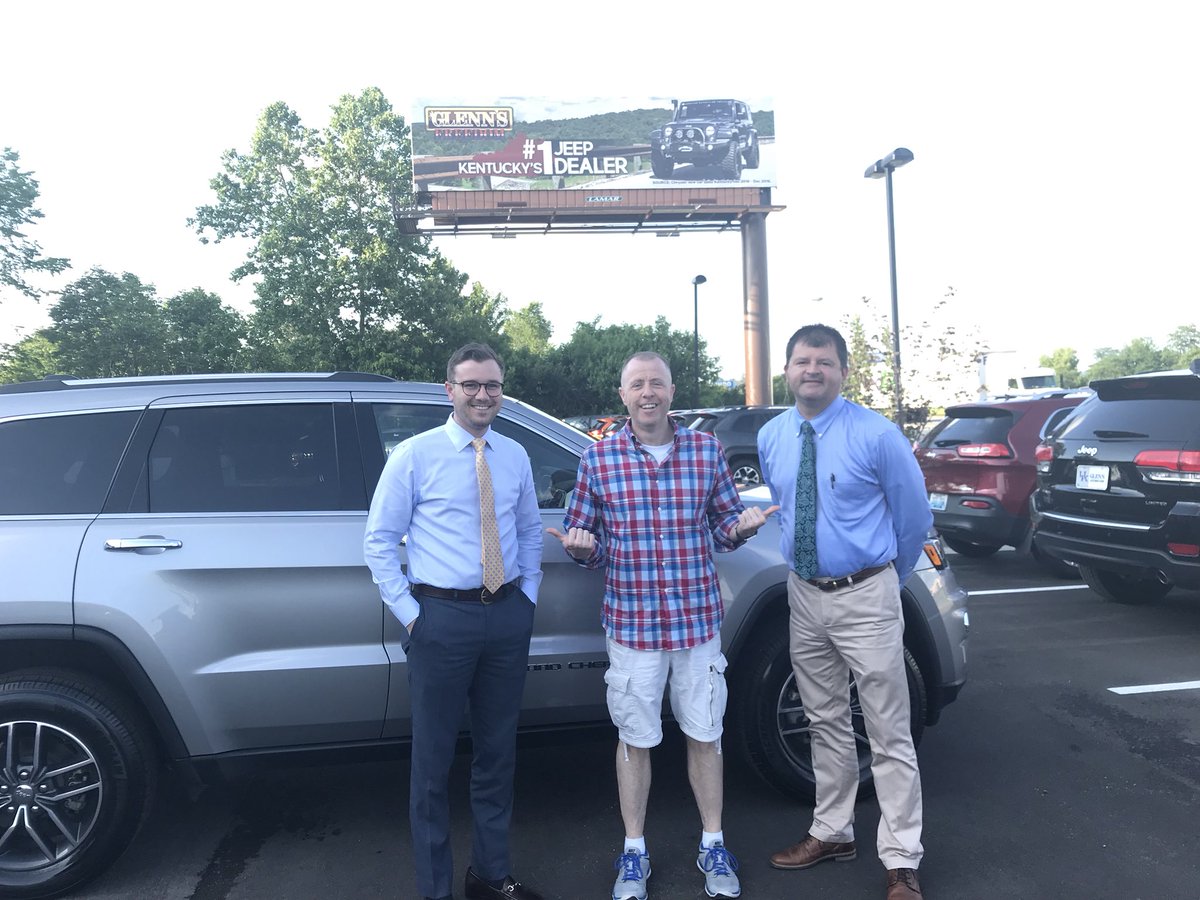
{"x":768,"y":717}
{"x":60,"y":830}
{"x":970,"y":548}
{"x":752,"y":155}
{"x":1059,"y":568}
{"x":661,"y":166}
{"x":746,"y":470}
{"x":731,"y":165}
{"x":1134,"y":589}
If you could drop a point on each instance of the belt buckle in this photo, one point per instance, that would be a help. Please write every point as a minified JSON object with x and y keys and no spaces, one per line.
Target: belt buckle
{"x":485,"y":596}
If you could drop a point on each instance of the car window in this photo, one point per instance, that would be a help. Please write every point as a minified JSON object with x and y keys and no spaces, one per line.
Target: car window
{"x":60,"y":465}
{"x":398,"y":422}
{"x":976,"y":427}
{"x":1053,"y":421}
{"x":554,"y":467}
{"x":1162,"y":419}
{"x":245,"y":457}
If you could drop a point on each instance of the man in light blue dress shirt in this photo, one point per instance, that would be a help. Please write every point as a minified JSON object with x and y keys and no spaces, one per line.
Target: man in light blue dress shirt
{"x":871,"y":520}
{"x":465,"y":642}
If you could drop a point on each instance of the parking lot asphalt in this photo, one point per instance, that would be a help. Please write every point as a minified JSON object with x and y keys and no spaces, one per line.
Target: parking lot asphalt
{"x":1039,"y":782}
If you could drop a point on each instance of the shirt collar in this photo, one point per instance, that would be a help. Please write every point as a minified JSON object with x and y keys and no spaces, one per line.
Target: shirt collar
{"x":822,"y":420}
{"x":460,"y":438}
{"x":636,"y":443}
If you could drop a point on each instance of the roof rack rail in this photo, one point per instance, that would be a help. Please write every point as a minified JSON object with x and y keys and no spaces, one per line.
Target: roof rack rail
{"x":70,"y":382}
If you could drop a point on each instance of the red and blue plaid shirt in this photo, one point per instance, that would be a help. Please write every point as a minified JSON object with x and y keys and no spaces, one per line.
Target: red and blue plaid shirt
{"x":655,"y":528}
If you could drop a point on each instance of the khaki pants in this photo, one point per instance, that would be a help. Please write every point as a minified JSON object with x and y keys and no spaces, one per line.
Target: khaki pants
{"x":858,"y":630}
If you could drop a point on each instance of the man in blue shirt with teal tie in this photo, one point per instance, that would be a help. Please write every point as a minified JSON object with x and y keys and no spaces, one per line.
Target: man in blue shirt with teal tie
{"x":854,"y":517}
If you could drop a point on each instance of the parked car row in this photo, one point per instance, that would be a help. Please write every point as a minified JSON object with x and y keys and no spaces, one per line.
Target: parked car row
{"x":1102,"y":483}
{"x":980,"y":471}
{"x":736,"y":427}
{"x":1118,"y":491}
{"x":184,"y":581}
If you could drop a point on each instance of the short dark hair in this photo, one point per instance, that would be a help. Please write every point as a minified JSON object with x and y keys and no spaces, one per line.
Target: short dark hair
{"x":475,"y":352}
{"x":645,"y":356}
{"x":819,"y":336}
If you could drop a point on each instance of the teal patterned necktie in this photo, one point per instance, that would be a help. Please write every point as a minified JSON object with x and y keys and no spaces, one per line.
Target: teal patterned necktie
{"x":806,"y":506}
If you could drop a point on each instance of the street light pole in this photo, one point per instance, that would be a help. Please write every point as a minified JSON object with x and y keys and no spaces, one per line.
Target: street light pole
{"x":696,"y":282}
{"x":883,"y":168}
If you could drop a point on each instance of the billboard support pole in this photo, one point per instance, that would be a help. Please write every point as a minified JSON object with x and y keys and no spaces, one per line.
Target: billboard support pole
{"x":756,"y":315}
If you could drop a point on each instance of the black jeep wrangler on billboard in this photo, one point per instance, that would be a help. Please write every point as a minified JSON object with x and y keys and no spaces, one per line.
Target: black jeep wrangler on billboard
{"x":706,"y":133}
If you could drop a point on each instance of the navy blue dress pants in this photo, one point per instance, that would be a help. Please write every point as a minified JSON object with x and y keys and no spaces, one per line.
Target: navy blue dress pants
{"x":465,"y":655}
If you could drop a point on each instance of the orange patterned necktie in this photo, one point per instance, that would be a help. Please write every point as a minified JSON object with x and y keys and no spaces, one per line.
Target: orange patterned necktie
{"x":489,"y":531}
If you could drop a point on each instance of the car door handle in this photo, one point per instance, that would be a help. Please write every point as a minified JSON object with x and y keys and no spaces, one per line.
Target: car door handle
{"x":152,"y":542}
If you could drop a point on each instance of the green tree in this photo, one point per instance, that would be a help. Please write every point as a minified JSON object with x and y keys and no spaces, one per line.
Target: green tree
{"x":1184,"y":342}
{"x":1138,"y":356}
{"x":203,"y":335}
{"x":1065,"y":363}
{"x":19,"y":255}
{"x":585,"y":372}
{"x":340,"y":286}
{"x":108,"y":325}
{"x":861,"y":384}
{"x":528,"y":329}
{"x":937,"y":363}
{"x":30,"y":359}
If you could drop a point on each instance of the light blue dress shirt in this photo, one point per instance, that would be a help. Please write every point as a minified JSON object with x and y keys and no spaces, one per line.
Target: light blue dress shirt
{"x":872,"y":508}
{"x":428,"y":490}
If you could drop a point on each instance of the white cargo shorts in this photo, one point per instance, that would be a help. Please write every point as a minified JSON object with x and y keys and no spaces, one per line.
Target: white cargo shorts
{"x":636,"y":681}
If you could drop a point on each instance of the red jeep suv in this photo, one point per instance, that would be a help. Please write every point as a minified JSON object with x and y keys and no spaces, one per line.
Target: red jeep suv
{"x":980,"y":469}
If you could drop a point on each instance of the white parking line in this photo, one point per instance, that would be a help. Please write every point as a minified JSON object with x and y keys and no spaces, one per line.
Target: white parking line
{"x":1157,"y":688}
{"x":1034,"y":590}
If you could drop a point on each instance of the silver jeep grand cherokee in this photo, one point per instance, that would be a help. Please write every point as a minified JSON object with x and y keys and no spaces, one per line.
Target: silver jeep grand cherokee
{"x":183,"y":582}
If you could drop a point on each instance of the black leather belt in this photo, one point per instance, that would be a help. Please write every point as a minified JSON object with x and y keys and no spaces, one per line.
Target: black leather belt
{"x":469,"y":595}
{"x":836,"y":584}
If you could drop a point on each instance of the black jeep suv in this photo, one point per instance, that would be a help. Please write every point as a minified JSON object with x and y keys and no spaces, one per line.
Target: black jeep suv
{"x":706,"y":133}
{"x":1119,"y":487}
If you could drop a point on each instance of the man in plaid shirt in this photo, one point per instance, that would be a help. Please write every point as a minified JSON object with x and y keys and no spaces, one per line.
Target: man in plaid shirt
{"x":650,"y":503}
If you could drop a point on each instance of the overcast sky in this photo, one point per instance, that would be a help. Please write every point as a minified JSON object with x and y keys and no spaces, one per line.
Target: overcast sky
{"x":1053,"y":187}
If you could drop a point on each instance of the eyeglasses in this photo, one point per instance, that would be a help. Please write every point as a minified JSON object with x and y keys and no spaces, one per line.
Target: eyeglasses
{"x":471,"y":388}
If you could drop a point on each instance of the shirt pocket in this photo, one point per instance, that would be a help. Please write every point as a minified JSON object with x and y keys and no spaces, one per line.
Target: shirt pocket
{"x":849,"y":501}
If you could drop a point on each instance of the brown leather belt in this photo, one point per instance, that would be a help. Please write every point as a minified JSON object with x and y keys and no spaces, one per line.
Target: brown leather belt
{"x":836,"y":584}
{"x":469,"y":595}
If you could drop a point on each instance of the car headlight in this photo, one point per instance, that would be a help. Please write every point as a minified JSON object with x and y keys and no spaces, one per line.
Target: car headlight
{"x":710,"y":130}
{"x":668,"y":131}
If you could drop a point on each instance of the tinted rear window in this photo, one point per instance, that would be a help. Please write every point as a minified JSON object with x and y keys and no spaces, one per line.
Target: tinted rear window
{"x":1160,"y":420}
{"x":60,"y":465}
{"x":971,"y":427}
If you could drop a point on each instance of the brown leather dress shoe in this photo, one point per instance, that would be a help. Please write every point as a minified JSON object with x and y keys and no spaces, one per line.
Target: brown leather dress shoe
{"x":903,"y":885}
{"x":811,"y":851}
{"x":478,"y":889}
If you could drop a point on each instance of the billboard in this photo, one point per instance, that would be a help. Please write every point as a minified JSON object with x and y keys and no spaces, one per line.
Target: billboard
{"x":543,"y":144}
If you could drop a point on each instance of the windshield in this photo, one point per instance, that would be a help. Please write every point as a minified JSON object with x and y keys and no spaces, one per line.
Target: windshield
{"x":705,"y":109}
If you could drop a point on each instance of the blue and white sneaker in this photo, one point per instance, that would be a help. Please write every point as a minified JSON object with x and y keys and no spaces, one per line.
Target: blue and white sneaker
{"x":633,"y":869}
{"x":719,"y":866}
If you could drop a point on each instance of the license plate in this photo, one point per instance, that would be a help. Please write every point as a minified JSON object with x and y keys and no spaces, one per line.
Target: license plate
{"x":937,"y":501}
{"x":1092,"y":478}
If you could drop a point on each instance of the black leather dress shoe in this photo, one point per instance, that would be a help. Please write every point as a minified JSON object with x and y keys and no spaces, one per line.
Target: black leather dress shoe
{"x":478,"y":889}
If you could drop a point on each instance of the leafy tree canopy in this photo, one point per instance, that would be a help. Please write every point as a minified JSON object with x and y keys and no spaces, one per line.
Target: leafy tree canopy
{"x":30,"y":359}
{"x":108,"y":325}
{"x":1139,"y":355}
{"x":1065,"y":363}
{"x":19,"y":255}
